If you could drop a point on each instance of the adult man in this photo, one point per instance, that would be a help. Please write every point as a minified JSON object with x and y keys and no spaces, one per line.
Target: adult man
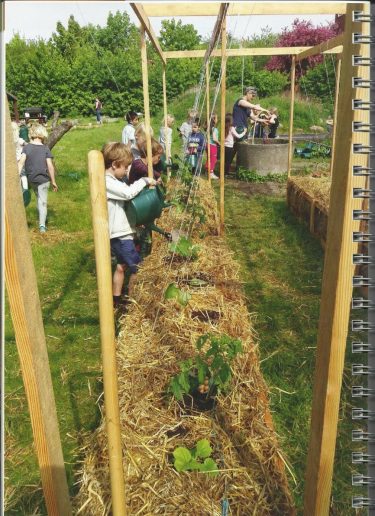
{"x":243,"y":109}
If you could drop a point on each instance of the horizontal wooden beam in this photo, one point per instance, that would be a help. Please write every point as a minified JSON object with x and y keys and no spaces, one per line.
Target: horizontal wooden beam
{"x":143,"y":18}
{"x":235,"y":8}
{"x":323,"y":47}
{"x":239,"y":52}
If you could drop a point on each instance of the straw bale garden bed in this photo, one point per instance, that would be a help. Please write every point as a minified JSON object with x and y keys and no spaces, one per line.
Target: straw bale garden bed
{"x":178,"y":458}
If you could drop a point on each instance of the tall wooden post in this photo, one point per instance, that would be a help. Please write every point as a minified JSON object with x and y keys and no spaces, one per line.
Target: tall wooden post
{"x":291,"y":117}
{"x":146,"y":100}
{"x":107,"y":328}
{"x":167,"y":153}
{"x":222,"y":119}
{"x":334,"y":128}
{"x":27,"y":320}
{"x":208,"y":138}
{"x":337,"y":276}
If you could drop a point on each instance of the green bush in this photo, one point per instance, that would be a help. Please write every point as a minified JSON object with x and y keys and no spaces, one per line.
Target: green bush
{"x":269,"y":83}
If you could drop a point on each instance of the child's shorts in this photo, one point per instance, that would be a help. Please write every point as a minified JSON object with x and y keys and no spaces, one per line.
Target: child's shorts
{"x":126,"y":253}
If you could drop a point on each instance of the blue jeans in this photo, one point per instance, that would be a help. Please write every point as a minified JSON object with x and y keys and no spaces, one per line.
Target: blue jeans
{"x":98,"y":115}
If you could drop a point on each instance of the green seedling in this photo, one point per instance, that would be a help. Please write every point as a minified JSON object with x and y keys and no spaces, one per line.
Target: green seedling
{"x":174,"y":292}
{"x":209,"y":371}
{"x":197,"y":459}
{"x":185,"y":248}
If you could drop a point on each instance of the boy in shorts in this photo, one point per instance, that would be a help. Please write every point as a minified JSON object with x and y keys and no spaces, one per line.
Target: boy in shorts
{"x":117,"y":160}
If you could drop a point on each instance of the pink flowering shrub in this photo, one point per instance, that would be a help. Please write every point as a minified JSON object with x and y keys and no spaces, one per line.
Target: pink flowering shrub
{"x":302,"y":34}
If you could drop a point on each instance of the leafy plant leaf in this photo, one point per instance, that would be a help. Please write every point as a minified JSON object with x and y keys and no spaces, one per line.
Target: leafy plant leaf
{"x":171,"y":292}
{"x":210,"y":466}
{"x":182,"y":458}
{"x":176,"y":389}
{"x":202,"y":340}
{"x":203,"y":448}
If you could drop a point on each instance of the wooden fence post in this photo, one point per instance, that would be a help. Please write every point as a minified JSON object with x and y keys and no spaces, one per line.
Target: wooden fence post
{"x":222,"y":121}
{"x":291,"y":117}
{"x":337,"y":276}
{"x":146,"y":100}
{"x":208,"y":119}
{"x":107,"y":328}
{"x":27,"y":320}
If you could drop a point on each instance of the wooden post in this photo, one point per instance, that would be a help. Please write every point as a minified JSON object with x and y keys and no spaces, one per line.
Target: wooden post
{"x":208,"y":119}
{"x":167,"y":154}
{"x":291,"y":117}
{"x":146,"y":101}
{"x":222,"y":121}
{"x":107,"y":328}
{"x":334,"y":128}
{"x":27,"y":320}
{"x":337,"y":276}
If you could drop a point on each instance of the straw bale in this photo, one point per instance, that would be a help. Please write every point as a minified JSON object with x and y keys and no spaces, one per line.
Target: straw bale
{"x":316,"y":187}
{"x":156,"y":334}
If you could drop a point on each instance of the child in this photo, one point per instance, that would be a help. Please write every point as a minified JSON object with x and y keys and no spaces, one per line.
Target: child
{"x":128,"y":136}
{"x":214,"y":145}
{"x":24,"y":131}
{"x":273,"y":122}
{"x":230,"y":134}
{"x":140,"y":138}
{"x":37,"y":160}
{"x":195,"y":146}
{"x":166,"y":138}
{"x":185,"y":129}
{"x":117,"y":159}
{"x":139,"y":166}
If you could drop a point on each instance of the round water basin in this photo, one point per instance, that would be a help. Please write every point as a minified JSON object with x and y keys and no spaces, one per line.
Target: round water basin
{"x":265,"y":158}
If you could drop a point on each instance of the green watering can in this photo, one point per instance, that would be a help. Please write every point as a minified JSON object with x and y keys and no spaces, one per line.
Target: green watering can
{"x":147,"y":206}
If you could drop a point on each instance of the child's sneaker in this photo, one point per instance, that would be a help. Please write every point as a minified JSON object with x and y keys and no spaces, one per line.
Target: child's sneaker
{"x":42,"y":229}
{"x":213,"y":176}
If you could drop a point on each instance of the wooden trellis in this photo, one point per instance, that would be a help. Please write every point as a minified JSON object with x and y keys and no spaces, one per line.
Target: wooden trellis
{"x":338,"y":268}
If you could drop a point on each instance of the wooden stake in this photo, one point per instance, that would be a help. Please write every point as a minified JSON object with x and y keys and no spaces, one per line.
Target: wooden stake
{"x":107,"y":328}
{"x":334,"y":128}
{"x":208,"y":139}
{"x":291,"y":117}
{"x":167,"y":153}
{"x":222,"y":121}
{"x":337,"y":276}
{"x":146,"y":100}
{"x":27,"y":320}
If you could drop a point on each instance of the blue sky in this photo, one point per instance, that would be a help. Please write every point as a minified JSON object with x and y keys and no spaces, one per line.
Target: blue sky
{"x":33,"y":19}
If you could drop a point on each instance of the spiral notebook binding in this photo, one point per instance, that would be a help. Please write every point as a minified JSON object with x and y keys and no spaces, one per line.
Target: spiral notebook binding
{"x":363,"y":257}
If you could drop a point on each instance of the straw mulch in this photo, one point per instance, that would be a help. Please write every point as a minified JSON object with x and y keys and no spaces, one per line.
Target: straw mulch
{"x":156,"y":335}
{"x":318,"y":188}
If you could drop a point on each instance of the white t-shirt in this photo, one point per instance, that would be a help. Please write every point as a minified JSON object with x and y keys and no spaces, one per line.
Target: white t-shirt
{"x":166,"y":142}
{"x":128,"y":134}
{"x":229,"y":140}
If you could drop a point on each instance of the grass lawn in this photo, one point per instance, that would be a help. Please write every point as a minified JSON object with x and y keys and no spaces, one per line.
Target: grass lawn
{"x":271,"y":247}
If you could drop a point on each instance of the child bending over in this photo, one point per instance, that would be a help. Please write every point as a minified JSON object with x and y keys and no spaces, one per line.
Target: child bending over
{"x":273,"y":122}
{"x":139,"y":166}
{"x":230,"y":135}
{"x":37,"y":160}
{"x":117,"y":159}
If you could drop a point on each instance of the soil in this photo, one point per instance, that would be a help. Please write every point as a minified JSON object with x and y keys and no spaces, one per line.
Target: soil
{"x":269,"y":188}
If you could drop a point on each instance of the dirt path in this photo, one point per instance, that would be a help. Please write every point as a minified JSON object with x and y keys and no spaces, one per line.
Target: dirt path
{"x":269,"y":188}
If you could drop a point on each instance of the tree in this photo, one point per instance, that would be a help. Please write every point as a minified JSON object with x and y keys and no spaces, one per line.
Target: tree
{"x":176,"y":36}
{"x":302,"y":34}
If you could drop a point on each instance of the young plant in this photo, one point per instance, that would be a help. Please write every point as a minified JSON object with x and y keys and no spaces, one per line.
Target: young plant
{"x":173,"y":292}
{"x":208,"y":371}
{"x":185,"y":248}
{"x":197,"y":459}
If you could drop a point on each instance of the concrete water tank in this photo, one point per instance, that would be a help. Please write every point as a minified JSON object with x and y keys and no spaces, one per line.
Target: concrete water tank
{"x":264,"y":158}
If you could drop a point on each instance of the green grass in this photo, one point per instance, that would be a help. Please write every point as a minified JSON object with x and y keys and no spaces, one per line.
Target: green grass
{"x":287,"y":304}
{"x":282,"y":266}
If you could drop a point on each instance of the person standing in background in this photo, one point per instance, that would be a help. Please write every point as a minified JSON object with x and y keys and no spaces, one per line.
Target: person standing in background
{"x":98,"y":110}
